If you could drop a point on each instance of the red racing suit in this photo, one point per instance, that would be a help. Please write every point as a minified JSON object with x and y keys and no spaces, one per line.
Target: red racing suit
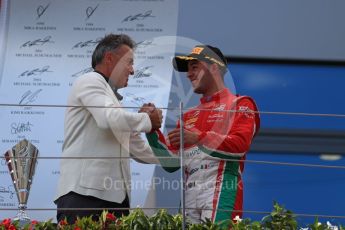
{"x":226,"y":125}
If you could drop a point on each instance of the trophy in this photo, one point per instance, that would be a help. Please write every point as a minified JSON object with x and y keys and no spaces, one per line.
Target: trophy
{"x":21,"y":161}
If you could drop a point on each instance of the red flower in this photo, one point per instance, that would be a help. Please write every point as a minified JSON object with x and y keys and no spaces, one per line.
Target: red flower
{"x":6,"y":222}
{"x":34,"y":222}
{"x":111,"y":216}
{"x":77,"y":228}
{"x":63,"y":222}
{"x":11,"y":227}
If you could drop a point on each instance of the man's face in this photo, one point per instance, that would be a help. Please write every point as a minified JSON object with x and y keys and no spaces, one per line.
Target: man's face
{"x":122,"y":66}
{"x":199,"y":75}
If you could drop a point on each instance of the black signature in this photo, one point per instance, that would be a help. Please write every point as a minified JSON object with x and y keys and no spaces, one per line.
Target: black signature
{"x":135,"y":99}
{"x":145,"y":43}
{"x":35,"y":72}
{"x":88,"y":43}
{"x":143,"y":72}
{"x":37,"y":42}
{"x":29,"y":97}
{"x":90,"y":11}
{"x":17,"y":128}
{"x":140,"y":16}
{"x":8,"y":191}
{"x":40,"y":10}
{"x":81,"y":72}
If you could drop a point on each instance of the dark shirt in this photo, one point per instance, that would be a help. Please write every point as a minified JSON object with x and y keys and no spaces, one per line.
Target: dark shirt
{"x":118,"y":96}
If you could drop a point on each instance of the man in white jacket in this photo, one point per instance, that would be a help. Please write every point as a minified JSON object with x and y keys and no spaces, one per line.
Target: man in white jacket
{"x":100,"y":136}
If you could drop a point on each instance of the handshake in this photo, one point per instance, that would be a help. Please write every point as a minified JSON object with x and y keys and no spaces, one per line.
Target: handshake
{"x":155,"y":115}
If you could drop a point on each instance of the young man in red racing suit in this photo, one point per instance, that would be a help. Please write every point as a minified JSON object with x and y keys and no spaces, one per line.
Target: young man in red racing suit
{"x":217,"y":135}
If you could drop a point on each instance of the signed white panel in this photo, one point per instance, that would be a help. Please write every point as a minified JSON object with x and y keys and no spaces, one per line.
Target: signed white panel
{"x":49,"y":44}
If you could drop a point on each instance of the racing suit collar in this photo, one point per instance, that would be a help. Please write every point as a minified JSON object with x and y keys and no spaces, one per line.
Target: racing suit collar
{"x":218,"y":95}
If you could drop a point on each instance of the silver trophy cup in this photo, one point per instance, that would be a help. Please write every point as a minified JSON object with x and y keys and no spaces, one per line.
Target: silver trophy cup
{"x":21,"y":161}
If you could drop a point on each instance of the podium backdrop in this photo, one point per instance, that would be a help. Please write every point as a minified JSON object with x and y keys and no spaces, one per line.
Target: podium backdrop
{"x":48,"y":44}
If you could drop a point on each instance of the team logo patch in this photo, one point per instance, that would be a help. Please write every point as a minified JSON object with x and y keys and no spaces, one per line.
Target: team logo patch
{"x":246,"y":111}
{"x":197,"y":50}
{"x":195,"y":114}
{"x":220,"y":107}
{"x":191,"y":120}
{"x":216,"y":115}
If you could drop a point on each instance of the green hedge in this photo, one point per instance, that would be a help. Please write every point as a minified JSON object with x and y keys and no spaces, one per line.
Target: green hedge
{"x":279,"y":218}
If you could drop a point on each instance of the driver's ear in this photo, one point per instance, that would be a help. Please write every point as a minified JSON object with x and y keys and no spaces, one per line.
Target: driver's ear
{"x":214,"y":68}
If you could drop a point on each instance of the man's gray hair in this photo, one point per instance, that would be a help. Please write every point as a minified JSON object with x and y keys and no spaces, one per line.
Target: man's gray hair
{"x":110,"y":43}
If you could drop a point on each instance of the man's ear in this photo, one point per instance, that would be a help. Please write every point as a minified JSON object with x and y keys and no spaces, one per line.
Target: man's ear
{"x":214,"y":68}
{"x":108,"y":57}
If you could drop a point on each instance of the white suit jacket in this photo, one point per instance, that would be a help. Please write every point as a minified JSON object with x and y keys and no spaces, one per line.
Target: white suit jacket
{"x":95,"y":132}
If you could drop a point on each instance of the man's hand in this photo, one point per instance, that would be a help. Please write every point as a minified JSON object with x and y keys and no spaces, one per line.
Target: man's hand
{"x":190,"y":137}
{"x":147,"y":108}
{"x":156,"y":118}
{"x":155,"y":115}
